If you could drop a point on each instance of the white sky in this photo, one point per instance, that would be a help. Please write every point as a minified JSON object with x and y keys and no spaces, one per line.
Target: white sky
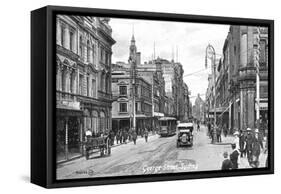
{"x":190,"y":38}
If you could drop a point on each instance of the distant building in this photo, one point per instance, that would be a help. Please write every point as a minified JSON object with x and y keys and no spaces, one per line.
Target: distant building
{"x":122,"y":112}
{"x":198,"y":109}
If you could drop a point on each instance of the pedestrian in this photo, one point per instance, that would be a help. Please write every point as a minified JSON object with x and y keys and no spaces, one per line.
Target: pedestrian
{"x":249,"y":145}
{"x":146,"y":134}
{"x":219,"y":134}
{"x":117,"y":137}
{"x":88,"y":133}
{"x":236,"y":139}
{"x":134,"y":136}
{"x":242,"y":143}
{"x":111,"y":137}
{"x":209,"y":128}
{"x":198,"y":125}
{"x":257,"y":145}
{"x":234,"y":156}
{"x":226,"y":164}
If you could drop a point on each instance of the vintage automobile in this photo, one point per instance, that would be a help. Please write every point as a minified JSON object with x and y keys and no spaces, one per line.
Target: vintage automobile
{"x":185,"y":134}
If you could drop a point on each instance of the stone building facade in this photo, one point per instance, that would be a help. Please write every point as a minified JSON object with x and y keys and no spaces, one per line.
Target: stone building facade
{"x":245,"y":52}
{"x":83,"y":80}
{"x":122,"y":109}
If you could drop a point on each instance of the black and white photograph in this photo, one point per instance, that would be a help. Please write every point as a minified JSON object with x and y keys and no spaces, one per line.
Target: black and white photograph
{"x":142,"y":97}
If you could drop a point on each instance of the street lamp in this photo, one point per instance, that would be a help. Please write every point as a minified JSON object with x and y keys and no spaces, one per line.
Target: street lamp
{"x":211,"y":54}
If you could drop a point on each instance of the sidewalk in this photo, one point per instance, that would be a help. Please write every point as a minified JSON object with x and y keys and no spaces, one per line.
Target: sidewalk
{"x":150,"y":137}
{"x":243,"y":161}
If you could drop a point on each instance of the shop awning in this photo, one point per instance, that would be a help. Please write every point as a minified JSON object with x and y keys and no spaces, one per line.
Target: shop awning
{"x":219,"y":110}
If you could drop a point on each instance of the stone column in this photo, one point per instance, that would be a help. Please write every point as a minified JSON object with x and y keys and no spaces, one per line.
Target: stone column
{"x":85,"y":84}
{"x":91,"y":55}
{"x":66,"y":138}
{"x":75,"y":42}
{"x":84,"y":47}
{"x":251,"y":108}
{"x":58,"y":33}
{"x":230,"y":116}
{"x":77,"y":82}
{"x":66,"y":38}
{"x":243,"y":108}
{"x":68,"y":80}
{"x":236,"y":112}
{"x":243,"y":50}
{"x":74,"y":81}
{"x":58,"y":76}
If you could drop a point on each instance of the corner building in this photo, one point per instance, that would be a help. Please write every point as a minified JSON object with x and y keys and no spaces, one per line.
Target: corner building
{"x":83,"y":81}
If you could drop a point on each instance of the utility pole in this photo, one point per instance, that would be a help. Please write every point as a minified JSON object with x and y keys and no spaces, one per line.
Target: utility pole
{"x":211,"y":54}
{"x":256,"y":62}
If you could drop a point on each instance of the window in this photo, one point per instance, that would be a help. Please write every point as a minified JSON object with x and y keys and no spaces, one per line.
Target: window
{"x":71,"y":40}
{"x":136,"y":107}
{"x":262,"y":53}
{"x":123,"y":90}
{"x":80,"y":47}
{"x":93,"y":88}
{"x":123,"y":107}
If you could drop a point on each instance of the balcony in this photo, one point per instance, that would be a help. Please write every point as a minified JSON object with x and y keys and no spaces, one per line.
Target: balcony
{"x":67,"y":100}
{"x":104,"y":96}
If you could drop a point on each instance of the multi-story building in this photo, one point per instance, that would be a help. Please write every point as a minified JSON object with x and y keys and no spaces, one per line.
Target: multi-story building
{"x":245,"y":52}
{"x":175,"y":88}
{"x":83,"y":80}
{"x":122,"y":106}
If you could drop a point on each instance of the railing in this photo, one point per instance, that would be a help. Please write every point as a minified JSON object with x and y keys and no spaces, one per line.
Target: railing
{"x":104,"y":95}
{"x":65,"y":96}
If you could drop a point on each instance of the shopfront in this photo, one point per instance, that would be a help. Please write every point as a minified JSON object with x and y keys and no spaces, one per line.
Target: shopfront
{"x":69,"y":134}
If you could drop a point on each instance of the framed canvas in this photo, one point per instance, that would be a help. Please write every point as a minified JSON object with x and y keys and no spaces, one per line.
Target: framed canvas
{"x":126,"y":96}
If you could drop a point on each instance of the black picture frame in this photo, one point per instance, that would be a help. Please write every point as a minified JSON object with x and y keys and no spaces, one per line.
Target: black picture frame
{"x":43,"y":98}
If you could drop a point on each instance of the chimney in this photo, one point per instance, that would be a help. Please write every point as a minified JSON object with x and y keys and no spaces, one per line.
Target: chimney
{"x":138,"y":58}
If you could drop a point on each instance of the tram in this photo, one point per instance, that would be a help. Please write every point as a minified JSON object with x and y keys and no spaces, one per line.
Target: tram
{"x":168,"y":126}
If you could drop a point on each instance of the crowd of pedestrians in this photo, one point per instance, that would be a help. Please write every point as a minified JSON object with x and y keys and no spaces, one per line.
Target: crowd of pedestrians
{"x":247,"y":144}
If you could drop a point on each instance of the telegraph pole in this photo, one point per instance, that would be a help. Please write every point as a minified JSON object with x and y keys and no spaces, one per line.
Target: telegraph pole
{"x":256,"y":61}
{"x":211,"y":54}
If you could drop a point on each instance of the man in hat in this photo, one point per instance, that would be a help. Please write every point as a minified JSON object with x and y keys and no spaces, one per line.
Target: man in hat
{"x":242,"y":143}
{"x":236,"y":139}
{"x":257,"y":145}
{"x":134,"y":136}
{"x":234,"y":156}
{"x":249,"y":145}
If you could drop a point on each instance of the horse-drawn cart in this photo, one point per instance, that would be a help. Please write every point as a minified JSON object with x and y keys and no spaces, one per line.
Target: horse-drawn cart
{"x":100,"y":143}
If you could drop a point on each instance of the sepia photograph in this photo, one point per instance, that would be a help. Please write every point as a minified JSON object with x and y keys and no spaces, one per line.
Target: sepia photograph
{"x":142,"y":97}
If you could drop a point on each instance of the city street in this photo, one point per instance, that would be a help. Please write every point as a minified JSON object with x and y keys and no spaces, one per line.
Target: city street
{"x":159,"y":155}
